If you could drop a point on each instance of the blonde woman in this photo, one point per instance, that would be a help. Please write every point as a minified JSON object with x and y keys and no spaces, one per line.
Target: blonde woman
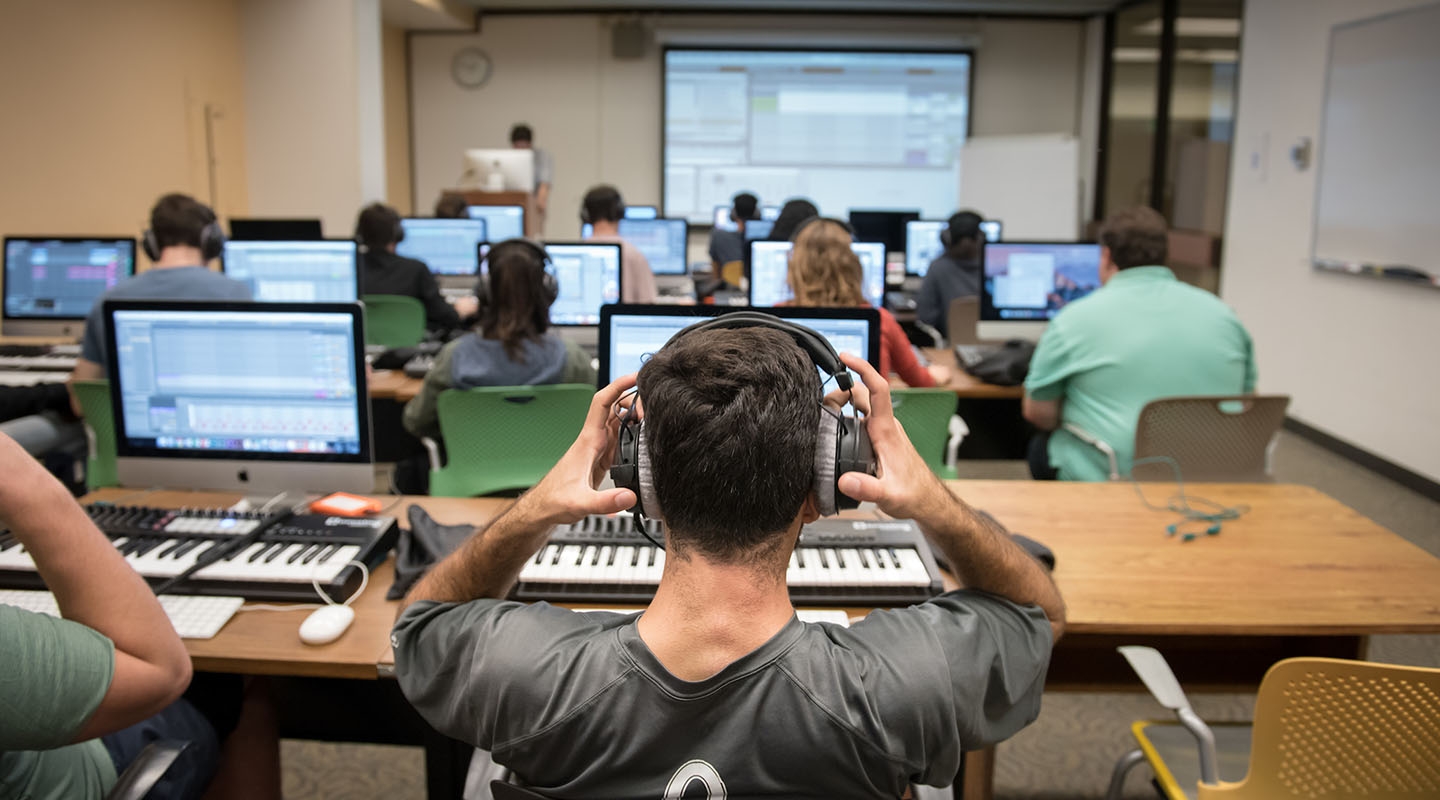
{"x":825,"y":272}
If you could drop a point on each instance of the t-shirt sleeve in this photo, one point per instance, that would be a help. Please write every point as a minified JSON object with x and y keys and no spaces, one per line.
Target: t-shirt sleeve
{"x":902,"y":359}
{"x":92,"y":343}
{"x":1052,"y":365}
{"x":53,"y":675}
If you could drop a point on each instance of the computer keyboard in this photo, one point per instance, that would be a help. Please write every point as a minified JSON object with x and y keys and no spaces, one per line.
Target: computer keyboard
{"x":32,"y":378}
{"x":971,"y":354}
{"x":194,"y":617}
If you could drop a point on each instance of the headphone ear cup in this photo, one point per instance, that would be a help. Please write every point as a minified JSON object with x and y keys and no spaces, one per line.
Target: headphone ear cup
{"x":827,"y":462}
{"x":399,"y":231}
{"x":150,"y":245}
{"x":212,"y":241}
{"x":626,"y":470}
{"x":854,"y":453}
{"x":646,"y":502}
{"x":549,"y":286}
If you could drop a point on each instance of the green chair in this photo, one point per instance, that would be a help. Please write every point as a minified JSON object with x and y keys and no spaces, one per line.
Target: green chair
{"x":929,"y":419}
{"x":504,"y":437}
{"x":94,"y":399}
{"x":393,"y":320}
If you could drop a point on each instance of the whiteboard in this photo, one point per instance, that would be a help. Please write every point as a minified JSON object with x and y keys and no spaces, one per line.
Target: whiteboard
{"x":1378,"y":193}
{"x":1030,"y":183}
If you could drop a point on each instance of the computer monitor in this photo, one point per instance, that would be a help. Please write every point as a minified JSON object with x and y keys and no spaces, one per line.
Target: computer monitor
{"x":993,"y":229}
{"x":887,"y":227}
{"x":589,"y":276}
{"x":1026,"y":283}
{"x":501,"y":222}
{"x":447,"y":246}
{"x":757,"y":229}
{"x":254,"y":397}
{"x":663,"y":241}
{"x":326,"y":271}
{"x":769,"y":213}
{"x":275,"y":230}
{"x":922,"y":244}
{"x":629,"y":334}
{"x":52,"y":281}
{"x":642,"y":212}
{"x":505,"y":170}
{"x":770,"y":265}
{"x":724,"y":223}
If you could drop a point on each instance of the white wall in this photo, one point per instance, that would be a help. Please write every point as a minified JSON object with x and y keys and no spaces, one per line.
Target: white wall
{"x":1357,"y":355}
{"x":600,"y":117}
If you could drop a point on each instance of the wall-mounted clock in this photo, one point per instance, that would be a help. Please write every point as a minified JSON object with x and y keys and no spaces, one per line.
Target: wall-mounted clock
{"x":471,"y":67}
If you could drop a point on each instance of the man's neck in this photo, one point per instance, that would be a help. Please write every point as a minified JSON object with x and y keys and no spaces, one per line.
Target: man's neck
{"x":606,"y":228}
{"x":172,"y":257}
{"x":706,"y":615}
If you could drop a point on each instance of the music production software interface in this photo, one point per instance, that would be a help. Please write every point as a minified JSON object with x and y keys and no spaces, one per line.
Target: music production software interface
{"x":846,"y":129}
{"x":923,"y":245}
{"x":663,"y":241}
{"x":261,"y":382}
{"x":642,"y":212}
{"x":501,"y":222}
{"x":51,"y":279}
{"x":294,"y":272}
{"x":447,"y":246}
{"x":1034,"y":281}
{"x":588,"y":276}
{"x":770,"y":263}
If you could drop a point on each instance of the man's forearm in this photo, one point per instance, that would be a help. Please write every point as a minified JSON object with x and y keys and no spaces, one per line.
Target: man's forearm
{"x":488,"y":563}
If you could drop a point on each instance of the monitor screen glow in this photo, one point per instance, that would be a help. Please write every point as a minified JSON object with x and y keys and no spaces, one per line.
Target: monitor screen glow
{"x":770,"y":265}
{"x":501,"y":222}
{"x":663,"y":241}
{"x":60,"y":278}
{"x":447,"y":246}
{"x":322,"y":271}
{"x":589,"y":277}
{"x":1032,"y":281}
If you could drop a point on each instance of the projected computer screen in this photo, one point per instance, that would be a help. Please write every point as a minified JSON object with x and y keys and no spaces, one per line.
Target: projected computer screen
{"x":1034,"y":280}
{"x":447,"y":246}
{"x":845,"y":129}
{"x":663,"y":241}
{"x":222,"y":379}
{"x":501,"y":222}
{"x":589,"y":277}
{"x":60,"y":278}
{"x":294,"y":272}
{"x":770,"y":264}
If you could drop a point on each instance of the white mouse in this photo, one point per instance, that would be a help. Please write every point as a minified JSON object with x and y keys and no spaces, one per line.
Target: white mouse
{"x":326,"y":624}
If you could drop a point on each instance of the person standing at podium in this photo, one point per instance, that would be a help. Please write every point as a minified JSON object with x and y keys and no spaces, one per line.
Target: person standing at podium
{"x":523,"y":138}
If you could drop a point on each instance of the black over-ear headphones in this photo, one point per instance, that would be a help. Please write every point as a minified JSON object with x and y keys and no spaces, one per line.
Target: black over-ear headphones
{"x":843,"y":445}
{"x":549,"y":286}
{"x":795,"y":235}
{"x":212,"y":241}
{"x":618,"y":210}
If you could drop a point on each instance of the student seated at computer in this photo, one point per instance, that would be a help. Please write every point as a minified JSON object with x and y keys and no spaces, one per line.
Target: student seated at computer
{"x":1141,"y":336}
{"x":792,"y":214}
{"x":602,"y":209}
{"x":383,"y":271}
{"x":824,"y":271}
{"x":451,"y":206}
{"x":955,"y":274}
{"x":513,"y":346}
{"x":728,"y":246}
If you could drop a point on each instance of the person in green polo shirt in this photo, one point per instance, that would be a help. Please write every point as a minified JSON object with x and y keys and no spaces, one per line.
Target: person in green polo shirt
{"x":1142,"y":336}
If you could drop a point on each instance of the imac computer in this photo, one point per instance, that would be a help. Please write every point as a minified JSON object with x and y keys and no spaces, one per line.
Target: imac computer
{"x":52,"y":281}
{"x":1026,"y":283}
{"x":252,"y":397}
{"x":724,"y":223}
{"x":923,"y":244}
{"x":629,"y":334}
{"x":507,"y":170}
{"x":993,"y":229}
{"x":275,"y":230}
{"x":882,"y":226}
{"x":642,"y":212}
{"x":770,"y":266}
{"x":589,"y":276}
{"x":501,"y":222}
{"x":447,"y":246}
{"x":663,"y":241}
{"x":326,"y":271}
{"x":758,"y":229}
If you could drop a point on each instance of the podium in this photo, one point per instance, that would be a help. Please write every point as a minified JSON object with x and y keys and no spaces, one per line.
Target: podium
{"x":480,"y":197}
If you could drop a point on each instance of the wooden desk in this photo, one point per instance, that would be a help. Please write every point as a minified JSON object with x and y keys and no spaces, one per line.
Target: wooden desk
{"x":963,"y":384}
{"x":393,"y":384}
{"x":38,"y":340}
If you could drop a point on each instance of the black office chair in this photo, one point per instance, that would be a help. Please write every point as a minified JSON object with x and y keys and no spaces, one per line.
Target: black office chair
{"x":147,"y":769}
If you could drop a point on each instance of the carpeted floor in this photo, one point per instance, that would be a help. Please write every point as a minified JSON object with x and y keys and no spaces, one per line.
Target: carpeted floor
{"x":1067,"y":754}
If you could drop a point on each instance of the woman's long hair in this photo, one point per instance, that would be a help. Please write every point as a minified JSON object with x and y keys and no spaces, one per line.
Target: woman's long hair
{"x":518,"y":309}
{"x":824,"y":271}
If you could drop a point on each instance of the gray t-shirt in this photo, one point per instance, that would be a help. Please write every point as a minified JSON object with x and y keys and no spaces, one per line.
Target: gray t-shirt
{"x":577,"y":705}
{"x":171,"y":283}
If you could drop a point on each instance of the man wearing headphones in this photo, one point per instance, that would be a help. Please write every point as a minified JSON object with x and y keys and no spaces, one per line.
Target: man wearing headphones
{"x":383,"y":271}
{"x":603,"y":209}
{"x":727,"y":246}
{"x":956,"y":273}
{"x":183,"y":238}
{"x":718,"y":686}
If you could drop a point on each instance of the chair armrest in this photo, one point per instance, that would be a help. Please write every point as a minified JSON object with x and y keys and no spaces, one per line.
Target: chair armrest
{"x":1160,"y":680}
{"x":146,"y":770}
{"x":938,"y":339}
{"x":1097,"y":443}
{"x":958,"y":431}
{"x":433,"y":448}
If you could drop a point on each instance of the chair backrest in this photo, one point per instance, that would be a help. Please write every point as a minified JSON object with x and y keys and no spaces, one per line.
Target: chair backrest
{"x":94,"y":399}
{"x":505,"y":437}
{"x":393,"y":320}
{"x":1330,"y":728}
{"x":962,"y":321}
{"x":925,"y":414}
{"x":1213,"y":438}
{"x":146,"y":770}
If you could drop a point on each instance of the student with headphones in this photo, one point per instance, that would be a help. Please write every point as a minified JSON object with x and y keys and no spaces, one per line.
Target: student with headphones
{"x":727,"y":246}
{"x":731,"y":444}
{"x":382,"y":271}
{"x":602,"y":209}
{"x":182,"y":239}
{"x":513,"y":346}
{"x":956,"y":273}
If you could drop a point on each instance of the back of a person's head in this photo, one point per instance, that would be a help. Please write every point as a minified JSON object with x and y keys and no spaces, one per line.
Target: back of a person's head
{"x":731,"y":422}
{"x":745,"y":206}
{"x":603,"y":204}
{"x":518,"y":309}
{"x":451,"y":206}
{"x":179,"y":220}
{"x":1136,"y":237}
{"x":791,"y":215}
{"x":521,"y":133}
{"x":964,"y":226}
{"x":824,"y":270}
{"x":377,"y":227}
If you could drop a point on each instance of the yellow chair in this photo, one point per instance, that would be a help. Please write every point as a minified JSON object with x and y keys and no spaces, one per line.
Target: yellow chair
{"x":94,"y":399}
{"x":1324,"y":728}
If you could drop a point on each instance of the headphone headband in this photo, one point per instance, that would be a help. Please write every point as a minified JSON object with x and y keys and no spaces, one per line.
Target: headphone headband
{"x":850,"y":229}
{"x":817,"y":346}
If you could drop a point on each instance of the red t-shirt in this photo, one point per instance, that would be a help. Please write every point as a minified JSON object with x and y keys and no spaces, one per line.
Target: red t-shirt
{"x":896,"y":355}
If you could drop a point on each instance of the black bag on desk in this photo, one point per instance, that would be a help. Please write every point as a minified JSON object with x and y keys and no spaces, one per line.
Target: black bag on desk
{"x":1007,"y":366}
{"x":421,"y":547}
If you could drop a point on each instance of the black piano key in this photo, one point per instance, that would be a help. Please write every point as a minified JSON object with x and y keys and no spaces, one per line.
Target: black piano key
{"x":295,"y":556}
{"x":540,"y":555}
{"x":190,"y":544}
{"x":148,"y":545}
{"x":894,"y":557}
{"x":310,"y":553}
{"x":824,"y":558}
{"x":329,"y":551}
{"x":635,"y":562}
{"x":276,"y":551}
{"x":170,"y":551}
{"x":864,"y":559}
{"x":7,"y":541}
{"x":610,"y":562}
{"x":653,"y":551}
{"x":556,"y":559}
{"x":258,"y":553}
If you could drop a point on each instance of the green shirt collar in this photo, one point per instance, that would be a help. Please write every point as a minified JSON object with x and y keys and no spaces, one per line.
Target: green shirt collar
{"x":1156,"y":273}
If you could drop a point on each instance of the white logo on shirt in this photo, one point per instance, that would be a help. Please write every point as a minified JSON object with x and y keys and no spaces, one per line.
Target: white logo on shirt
{"x":689,"y":774}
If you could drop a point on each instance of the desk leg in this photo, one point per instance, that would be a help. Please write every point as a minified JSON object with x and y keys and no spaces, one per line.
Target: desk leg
{"x":446,"y":764}
{"x":979,"y":779}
